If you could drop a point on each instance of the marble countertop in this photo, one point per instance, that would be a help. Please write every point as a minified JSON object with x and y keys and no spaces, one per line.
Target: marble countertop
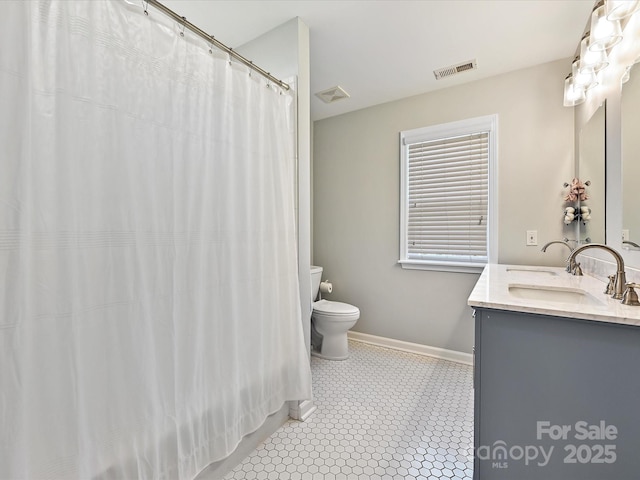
{"x":522,"y":288}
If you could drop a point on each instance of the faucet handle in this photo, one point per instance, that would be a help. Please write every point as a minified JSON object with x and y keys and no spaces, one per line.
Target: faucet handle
{"x":630,"y":297}
{"x":577,"y":270}
{"x":612,"y":281}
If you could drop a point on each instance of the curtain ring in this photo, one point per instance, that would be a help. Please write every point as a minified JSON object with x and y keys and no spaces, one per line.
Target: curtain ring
{"x":230,"y":50}
{"x":211,"y":45}
{"x":184,"y":19}
{"x":145,"y":7}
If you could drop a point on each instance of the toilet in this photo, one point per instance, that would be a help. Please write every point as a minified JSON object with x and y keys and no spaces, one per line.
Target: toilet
{"x":330,"y":322}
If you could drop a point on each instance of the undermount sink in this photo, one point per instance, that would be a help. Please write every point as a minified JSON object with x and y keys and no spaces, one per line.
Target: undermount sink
{"x":532,"y":270}
{"x":553,"y":294}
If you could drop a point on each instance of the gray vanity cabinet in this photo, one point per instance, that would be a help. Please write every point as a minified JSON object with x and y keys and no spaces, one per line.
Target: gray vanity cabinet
{"x":555,"y":398}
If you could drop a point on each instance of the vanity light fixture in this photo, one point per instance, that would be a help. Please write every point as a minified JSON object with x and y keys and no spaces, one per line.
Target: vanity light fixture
{"x":621,"y":9}
{"x":573,"y":94}
{"x":597,"y":59}
{"x":608,"y":18}
{"x":583,"y":75}
{"x":626,"y":75}
{"x":605,"y":32}
{"x":627,"y":72}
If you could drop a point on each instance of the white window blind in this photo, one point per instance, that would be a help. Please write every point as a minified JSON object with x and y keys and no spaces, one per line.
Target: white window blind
{"x":446,"y":195}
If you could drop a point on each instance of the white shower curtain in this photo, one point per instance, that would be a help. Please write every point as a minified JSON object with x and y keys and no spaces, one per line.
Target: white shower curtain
{"x":149,"y":301}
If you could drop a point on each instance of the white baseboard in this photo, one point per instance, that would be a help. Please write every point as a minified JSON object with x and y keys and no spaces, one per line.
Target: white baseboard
{"x":301,"y":410}
{"x":443,"y":353}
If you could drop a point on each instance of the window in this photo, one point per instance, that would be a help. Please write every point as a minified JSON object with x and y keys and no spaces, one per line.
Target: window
{"x":448,"y":193}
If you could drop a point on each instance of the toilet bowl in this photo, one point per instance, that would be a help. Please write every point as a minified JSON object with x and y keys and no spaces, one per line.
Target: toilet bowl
{"x":330,"y":322}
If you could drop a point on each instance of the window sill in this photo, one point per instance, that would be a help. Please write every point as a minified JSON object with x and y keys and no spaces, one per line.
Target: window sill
{"x":456,"y":267}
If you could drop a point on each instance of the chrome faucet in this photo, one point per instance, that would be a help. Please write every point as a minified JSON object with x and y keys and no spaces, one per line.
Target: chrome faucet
{"x":563,"y":242}
{"x":572,"y":266}
{"x":629,"y":242}
{"x":620,"y":278}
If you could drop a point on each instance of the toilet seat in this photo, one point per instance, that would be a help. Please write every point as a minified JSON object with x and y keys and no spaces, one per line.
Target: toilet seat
{"x":335,"y":310}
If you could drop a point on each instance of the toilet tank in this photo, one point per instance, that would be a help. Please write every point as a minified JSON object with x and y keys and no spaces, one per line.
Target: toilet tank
{"x":316,"y":278}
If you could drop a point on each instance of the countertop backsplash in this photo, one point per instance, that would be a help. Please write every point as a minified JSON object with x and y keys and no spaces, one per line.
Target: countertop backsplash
{"x":601,"y":269}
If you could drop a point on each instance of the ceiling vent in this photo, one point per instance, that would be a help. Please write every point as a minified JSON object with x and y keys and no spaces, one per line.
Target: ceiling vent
{"x":455,"y":69}
{"x":332,"y":94}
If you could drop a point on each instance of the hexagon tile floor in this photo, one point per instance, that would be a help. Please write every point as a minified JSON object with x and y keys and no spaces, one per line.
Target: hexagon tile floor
{"x":382,"y":414}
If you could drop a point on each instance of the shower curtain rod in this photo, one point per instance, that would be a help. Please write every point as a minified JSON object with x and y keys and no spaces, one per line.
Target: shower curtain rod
{"x":209,"y":38}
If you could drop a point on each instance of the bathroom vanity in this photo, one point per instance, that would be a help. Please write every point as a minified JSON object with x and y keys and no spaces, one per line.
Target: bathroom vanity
{"x":556,"y":377}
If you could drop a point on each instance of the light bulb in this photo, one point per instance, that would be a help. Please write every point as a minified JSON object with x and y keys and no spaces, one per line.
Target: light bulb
{"x":573,"y":95}
{"x":583,"y":75}
{"x":604,"y":33}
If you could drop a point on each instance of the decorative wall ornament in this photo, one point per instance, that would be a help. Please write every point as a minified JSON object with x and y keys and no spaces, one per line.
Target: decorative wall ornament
{"x":577,"y":190}
{"x":576,"y":212}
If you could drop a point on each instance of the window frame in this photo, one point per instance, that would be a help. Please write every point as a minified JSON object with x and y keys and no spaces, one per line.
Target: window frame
{"x":487,"y":123}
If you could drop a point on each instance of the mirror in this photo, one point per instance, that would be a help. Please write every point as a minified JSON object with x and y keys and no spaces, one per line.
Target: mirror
{"x":630,"y":114}
{"x":591,"y":168}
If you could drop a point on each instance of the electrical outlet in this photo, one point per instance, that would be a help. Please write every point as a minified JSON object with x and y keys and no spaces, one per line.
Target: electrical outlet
{"x":532,"y":237}
{"x":625,"y":235}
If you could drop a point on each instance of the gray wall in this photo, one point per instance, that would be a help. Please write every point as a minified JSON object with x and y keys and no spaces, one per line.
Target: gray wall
{"x":356,"y":199}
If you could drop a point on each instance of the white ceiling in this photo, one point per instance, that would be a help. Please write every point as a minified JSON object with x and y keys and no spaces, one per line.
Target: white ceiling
{"x":383,"y":50}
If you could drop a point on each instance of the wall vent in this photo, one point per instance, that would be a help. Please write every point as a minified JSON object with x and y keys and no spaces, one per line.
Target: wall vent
{"x":332,"y":94}
{"x":455,"y":69}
